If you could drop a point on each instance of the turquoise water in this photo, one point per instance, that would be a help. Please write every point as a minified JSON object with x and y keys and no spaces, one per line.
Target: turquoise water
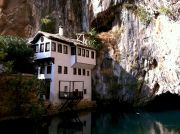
{"x":98,"y":123}
{"x":138,"y":123}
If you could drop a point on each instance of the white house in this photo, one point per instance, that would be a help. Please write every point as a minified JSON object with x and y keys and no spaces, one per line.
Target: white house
{"x":65,"y":64}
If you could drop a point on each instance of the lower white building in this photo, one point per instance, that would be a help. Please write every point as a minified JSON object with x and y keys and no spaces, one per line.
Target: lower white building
{"x":65,"y":64}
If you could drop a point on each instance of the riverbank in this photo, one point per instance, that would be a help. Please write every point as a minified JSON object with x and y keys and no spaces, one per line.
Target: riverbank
{"x":52,"y":110}
{"x":163,"y":102}
{"x":97,"y":122}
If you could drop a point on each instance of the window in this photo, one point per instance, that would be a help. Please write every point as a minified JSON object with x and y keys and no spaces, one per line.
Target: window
{"x":79,"y":71}
{"x":84,"y":72}
{"x":73,"y":50}
{"x":83,"y":52}
{"x":42,"y":47}
{"x":87,"y":53}
{"x":42,"y":39}
{"x":92,"y":54}
{"x":53,"y":46}
{"x":74,"y":71}
{"x":47,"y":47}
{"x":59,"y":69}
{"x":85,"y":91}
{"x":42,"y":70}
{"x":65,"y":70}
{"x":79,"y":51}
{"x":59,"y":48}
{"x":87,"y":73}
{"x":65,"y":49}
{"x":49,"y":69}
{"x":37,"y":48}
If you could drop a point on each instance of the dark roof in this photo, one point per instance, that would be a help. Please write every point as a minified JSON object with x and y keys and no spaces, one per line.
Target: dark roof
{"x":57,"y":37}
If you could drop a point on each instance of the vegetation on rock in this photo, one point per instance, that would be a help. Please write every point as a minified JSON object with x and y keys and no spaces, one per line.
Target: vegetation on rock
{"x":19,"y":92}
{"x":164,"y":10}
{"x":19,"y":95}
{"x":93,"y":40}
{"x":48,"y":24}
{"x":144,"y":15}
{"x":15,"y":55}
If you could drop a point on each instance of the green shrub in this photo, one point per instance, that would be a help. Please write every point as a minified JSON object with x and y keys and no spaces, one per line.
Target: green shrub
{"x":15,"y":55}
{"x":19,"y":93}
{"x":164,"y":10}
{"x":48,"y":24}
{"x":93,"y":41}
{"x":144,"y":16}
{"x":118,"y":32}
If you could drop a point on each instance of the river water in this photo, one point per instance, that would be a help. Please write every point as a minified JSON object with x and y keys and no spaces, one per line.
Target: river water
{"x":98,"y":122}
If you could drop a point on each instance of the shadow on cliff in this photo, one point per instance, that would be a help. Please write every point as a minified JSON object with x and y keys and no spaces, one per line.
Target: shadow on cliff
{"x":115,"y":88}
{"x":165,"y":101}
{"x":127,"y":92}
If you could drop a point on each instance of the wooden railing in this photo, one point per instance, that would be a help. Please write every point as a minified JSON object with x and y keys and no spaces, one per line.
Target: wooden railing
{"x":71,"y":95}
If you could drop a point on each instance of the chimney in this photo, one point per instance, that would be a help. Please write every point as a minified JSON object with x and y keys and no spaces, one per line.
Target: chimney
{"x":61,"y":30}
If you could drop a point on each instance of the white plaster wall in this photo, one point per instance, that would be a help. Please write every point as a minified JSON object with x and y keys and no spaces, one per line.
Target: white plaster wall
{"x":66,"y":60}
{"x":86,"y":60}
{"x":44,"y":54}
{"x":45,"y":75}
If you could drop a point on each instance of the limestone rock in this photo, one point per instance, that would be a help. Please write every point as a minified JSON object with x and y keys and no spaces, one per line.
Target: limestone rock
{"x":22,"y":17}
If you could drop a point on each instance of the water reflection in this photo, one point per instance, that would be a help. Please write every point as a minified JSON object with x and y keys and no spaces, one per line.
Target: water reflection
{"x":98,"y":123}
{"x":137,"y":123}
{"x":71,"y":123}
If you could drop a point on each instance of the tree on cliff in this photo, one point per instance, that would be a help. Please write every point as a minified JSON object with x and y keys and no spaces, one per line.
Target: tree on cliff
{"x":15,"y":55}
{"x":48,"y":24}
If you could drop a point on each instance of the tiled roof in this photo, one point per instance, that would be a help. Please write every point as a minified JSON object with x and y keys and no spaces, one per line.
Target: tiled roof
{"x":58,"y":38}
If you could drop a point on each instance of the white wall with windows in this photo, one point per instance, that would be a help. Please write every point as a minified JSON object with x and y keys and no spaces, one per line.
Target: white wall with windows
{"x":65,"y":72}
{"x":62,"y":70}
{"x":86,"y":56}
{"x":44,"y":71}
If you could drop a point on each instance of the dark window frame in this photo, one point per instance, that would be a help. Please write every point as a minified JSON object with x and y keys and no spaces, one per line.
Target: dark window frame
{"x":65,"y":49}
{"x":49,"y":69}
{"x":92,"y":54}
{"x":79,"y":71}
{"x":42,"y":70}
{"x":53,"y":46}
{"x":84,"y":91}
{"x":87,"y":53}
{"x":59,"y":69}
{"x":84,"y":72}
{"x":42,"y":47}
{"x":75,"y":71}
{"x":88,"y":73}
{"x":79,"y":51}
{"x":73,"y":50}
{"x":60,"y":48}
{"x":65,"y":70}
{"x":46,"y":47}
{"x":83,"y":52}
{"x":42,"y":38}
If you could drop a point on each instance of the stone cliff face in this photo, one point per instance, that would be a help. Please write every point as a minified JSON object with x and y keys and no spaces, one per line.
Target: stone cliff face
{"x":22,"y":17}
{"x":141,"y":53}
{"x":148,"y":50}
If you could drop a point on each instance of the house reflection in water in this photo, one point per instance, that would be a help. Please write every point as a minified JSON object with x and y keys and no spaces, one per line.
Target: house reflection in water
{"x":68,"y":124}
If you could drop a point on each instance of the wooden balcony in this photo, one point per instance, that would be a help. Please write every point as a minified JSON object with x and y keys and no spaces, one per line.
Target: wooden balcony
{"x":71,"y":95}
